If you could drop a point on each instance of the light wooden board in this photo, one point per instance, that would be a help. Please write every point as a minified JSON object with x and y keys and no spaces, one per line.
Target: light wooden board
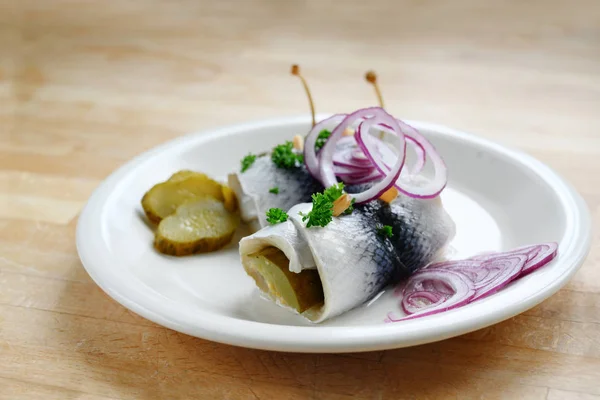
{"x":85,"y":86}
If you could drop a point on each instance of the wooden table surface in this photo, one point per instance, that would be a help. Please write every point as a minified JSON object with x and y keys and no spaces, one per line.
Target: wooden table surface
{"x":86,"y":85}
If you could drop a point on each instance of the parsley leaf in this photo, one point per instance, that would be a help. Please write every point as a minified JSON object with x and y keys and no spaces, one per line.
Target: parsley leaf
{"x":276,"y":215}
{"x":284,"y":157}
{"x":321,"y":213}
{"x":334,"y":192}
{"x":321,"y":139}
{"x":385,"y":230}
{"x":322,"y":206}
{"x":274,"y":190}
{"x":248,"y":161}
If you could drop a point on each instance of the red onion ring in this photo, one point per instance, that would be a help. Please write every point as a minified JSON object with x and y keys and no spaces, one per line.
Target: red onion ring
{"x":352,"y":164}
{"x":434,"y":186}
{"x":537,"y":255}
{"x":485,"y":274}
{"x":489,"y":275}
{"x":342,"y":170}
{"x":432,"y":297}
{"x":340,"y":151}
{"x":359,"y":156}
{"x":369,"y":146}
{"x":310,"y":155}
{"x":461,"y":285}
{"x":438,"y":286}
{"x":504,"y":270}
{"x":373,"y":115}
{"x":344,"y":158}
{"x":421,"y":157}
{"x":358,"y":179}
{"x":430,"y":189}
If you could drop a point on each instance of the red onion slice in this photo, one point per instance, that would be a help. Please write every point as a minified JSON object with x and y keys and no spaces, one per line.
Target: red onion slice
{"x":430,"y":296}
{"x":359,"y":156}
{"x":350,"y":155}
{"x":502,"y":271}
{"x":413,"y":144}
{"x":457,"y":264}
{"x":438,"y":286}
{"x":489,"y":275}
{"x":546,"y":253}
{"x":409,"y":184}
{"x":485,"y":274}
{"x":421,"y":155}
{"x":375,"y":115}
{"x":352,"y":164}
{"x":460,"y":284}
{"x":325,"y":158}
{"x":420,"y":188}
{"x":341,"y":170}
{"x":538,"y":255}
{"x":419,"y":300}
{"x":389,"y":156}
{"x":344,"y":157}
{"x":358,"y":179}
{"x":340,"y":151}
{"x":310,"y":155}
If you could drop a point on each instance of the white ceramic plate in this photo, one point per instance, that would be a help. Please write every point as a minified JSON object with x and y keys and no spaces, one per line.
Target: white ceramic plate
{"x":499,"y":199}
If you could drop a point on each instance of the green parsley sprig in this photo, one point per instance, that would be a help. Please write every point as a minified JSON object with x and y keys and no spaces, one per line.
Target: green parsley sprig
{"x":274,"y":190}
{"x":247,"y":161}
{"x":385,"y":230}
{"x":321,"y":213}
{"x":284,"y":156}
{"x":334,"y":192}
{"x":276,"y":215}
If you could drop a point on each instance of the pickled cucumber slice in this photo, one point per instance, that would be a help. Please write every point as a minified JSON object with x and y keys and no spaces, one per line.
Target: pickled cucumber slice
{"x":163,"y":199}
{"x":269,"y":269}
{"x":196,"y":227}
{"x":182,"y":175}
{"x":229,"y":198}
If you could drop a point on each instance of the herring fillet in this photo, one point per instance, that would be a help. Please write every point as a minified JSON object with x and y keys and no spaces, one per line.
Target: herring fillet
{"x":355,"y":261}
{"x":251,"y":187}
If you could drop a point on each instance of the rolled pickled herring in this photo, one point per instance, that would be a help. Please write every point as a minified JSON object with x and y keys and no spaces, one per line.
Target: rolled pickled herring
{"x":353,"y":259}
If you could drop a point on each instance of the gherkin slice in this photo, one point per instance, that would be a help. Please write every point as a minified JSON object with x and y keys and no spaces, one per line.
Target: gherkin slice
{"x":183,"y":175}
{"x":269,"y":268}
{"x":199,"y":226}
{"x":163,"y":199}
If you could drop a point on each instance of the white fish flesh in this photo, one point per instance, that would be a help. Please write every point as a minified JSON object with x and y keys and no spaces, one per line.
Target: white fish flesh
{"x":251,"y":187}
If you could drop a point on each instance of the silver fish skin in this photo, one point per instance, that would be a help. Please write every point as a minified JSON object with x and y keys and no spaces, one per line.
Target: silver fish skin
{"x":355,"y":261}
{"x":251,"y":187}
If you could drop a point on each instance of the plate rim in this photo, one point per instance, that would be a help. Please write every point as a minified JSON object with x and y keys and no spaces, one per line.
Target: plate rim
{"x":318,"y":338}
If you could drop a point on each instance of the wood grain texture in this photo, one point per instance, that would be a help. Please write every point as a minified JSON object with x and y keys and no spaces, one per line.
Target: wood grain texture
{"x":85,"y":86}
